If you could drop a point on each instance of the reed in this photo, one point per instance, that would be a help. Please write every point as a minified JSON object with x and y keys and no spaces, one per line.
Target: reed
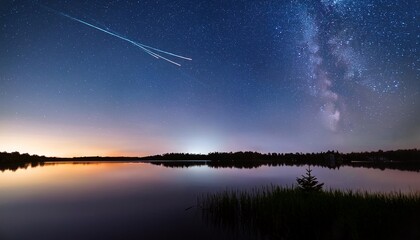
{"x":275,"y":212}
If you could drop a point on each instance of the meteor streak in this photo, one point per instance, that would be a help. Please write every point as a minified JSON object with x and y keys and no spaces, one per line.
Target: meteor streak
{"x":148,"y":49}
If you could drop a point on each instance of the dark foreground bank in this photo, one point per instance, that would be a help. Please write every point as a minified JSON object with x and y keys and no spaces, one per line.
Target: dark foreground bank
{"x":288,"y":213}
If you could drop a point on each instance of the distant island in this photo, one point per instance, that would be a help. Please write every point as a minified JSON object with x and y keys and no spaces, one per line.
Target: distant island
{"x":399,"y":159}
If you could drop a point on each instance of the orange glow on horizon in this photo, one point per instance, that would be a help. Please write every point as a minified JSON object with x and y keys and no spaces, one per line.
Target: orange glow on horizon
{"x":67,"y":141}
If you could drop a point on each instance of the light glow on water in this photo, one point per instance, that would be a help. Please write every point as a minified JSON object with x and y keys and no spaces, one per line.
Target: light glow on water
{"x":139,"y":198}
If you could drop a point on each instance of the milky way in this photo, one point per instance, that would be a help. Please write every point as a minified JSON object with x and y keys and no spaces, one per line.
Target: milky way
{"x":320,"y":84}
{"x":336,"y":56}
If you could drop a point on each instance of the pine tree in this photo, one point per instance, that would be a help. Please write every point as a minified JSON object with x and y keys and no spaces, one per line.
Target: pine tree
{"x":309,"y":183}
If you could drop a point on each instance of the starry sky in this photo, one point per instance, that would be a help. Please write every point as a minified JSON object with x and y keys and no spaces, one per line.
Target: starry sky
{"x":268,"y":76}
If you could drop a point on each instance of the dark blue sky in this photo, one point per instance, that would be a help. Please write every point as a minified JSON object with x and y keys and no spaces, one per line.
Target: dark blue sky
{"x":281,"y":76}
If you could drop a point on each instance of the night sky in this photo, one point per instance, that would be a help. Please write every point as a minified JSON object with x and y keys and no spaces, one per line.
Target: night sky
{"x":268,"y":76}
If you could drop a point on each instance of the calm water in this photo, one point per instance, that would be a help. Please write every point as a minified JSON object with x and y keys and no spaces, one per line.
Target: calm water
{"x":145,"y":201}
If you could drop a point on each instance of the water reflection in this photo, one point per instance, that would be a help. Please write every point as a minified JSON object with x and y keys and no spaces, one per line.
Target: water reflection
{"x":403,"y":166}
{"x":13,"y":166}
{"x":142,"y":200}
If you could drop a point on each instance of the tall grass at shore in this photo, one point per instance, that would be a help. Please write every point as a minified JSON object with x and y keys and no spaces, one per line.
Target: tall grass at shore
{"x":288,"y":213}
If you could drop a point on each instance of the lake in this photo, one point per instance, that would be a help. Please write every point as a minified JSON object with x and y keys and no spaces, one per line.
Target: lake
{"x":135,"y":200}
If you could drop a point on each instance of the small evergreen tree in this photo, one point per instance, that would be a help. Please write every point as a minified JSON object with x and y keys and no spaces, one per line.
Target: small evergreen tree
{"x":309,"y":183}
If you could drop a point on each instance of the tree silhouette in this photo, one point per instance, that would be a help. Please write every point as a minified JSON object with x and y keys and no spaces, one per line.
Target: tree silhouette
{"x":309,"y":183}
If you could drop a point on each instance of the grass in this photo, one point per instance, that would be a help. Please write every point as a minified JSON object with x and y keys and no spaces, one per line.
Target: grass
{"x":288,"y":213}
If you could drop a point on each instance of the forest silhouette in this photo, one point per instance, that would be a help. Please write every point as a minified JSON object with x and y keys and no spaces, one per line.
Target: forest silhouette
{"x":408,"y":160}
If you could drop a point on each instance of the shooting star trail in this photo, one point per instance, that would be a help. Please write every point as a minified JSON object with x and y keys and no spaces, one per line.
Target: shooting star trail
{"x":148,"y":49}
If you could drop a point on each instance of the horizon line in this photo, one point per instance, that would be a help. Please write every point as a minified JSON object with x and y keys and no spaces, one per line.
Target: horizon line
{"x":203,"y":154}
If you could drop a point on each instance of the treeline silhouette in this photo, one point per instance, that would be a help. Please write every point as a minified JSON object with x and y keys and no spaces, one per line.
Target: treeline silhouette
{"x":15,"y":160}
{"x":399,"y":159}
